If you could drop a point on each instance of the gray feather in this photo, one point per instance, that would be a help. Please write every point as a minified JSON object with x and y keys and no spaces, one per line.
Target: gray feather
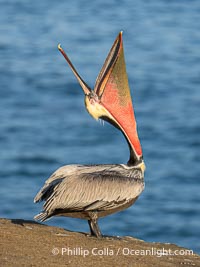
{"x":82,"y":188}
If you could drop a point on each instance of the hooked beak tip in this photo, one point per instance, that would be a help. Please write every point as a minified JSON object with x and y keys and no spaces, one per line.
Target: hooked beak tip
{"x":59,"y":47}
{"x":120,"y":35}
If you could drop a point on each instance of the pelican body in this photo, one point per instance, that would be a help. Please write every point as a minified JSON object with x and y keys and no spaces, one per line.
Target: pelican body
{"x":93,"y":191}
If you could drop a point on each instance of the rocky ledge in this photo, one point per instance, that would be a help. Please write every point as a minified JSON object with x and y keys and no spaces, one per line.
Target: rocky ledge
{"x":27,"y":243}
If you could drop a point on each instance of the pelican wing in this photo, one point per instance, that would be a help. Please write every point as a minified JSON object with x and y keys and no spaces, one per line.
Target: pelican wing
{"x":53,"y":180}
{"x":88,"y":189}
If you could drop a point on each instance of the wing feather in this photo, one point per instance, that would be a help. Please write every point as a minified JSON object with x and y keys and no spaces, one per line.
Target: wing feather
{"x":89,"y":188}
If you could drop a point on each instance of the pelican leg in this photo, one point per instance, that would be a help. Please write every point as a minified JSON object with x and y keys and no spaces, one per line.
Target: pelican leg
{"x":94,"y":228}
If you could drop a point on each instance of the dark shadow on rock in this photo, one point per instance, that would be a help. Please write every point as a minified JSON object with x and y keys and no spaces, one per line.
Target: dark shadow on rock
{"x":22,"y":222}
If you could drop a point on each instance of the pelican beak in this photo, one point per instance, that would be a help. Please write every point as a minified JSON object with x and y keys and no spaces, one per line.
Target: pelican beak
{"x":111,"y":99}
{"x":85,"y":87}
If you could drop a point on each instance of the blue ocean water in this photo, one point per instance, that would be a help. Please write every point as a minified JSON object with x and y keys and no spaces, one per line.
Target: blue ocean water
{"x":44,"y":125}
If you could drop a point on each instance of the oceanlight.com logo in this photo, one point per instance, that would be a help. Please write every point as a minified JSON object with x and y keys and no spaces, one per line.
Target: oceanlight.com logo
{"x":107,"y":251}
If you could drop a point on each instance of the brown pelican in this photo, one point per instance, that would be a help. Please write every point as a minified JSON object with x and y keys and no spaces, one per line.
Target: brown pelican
{"x":93,"y":191}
